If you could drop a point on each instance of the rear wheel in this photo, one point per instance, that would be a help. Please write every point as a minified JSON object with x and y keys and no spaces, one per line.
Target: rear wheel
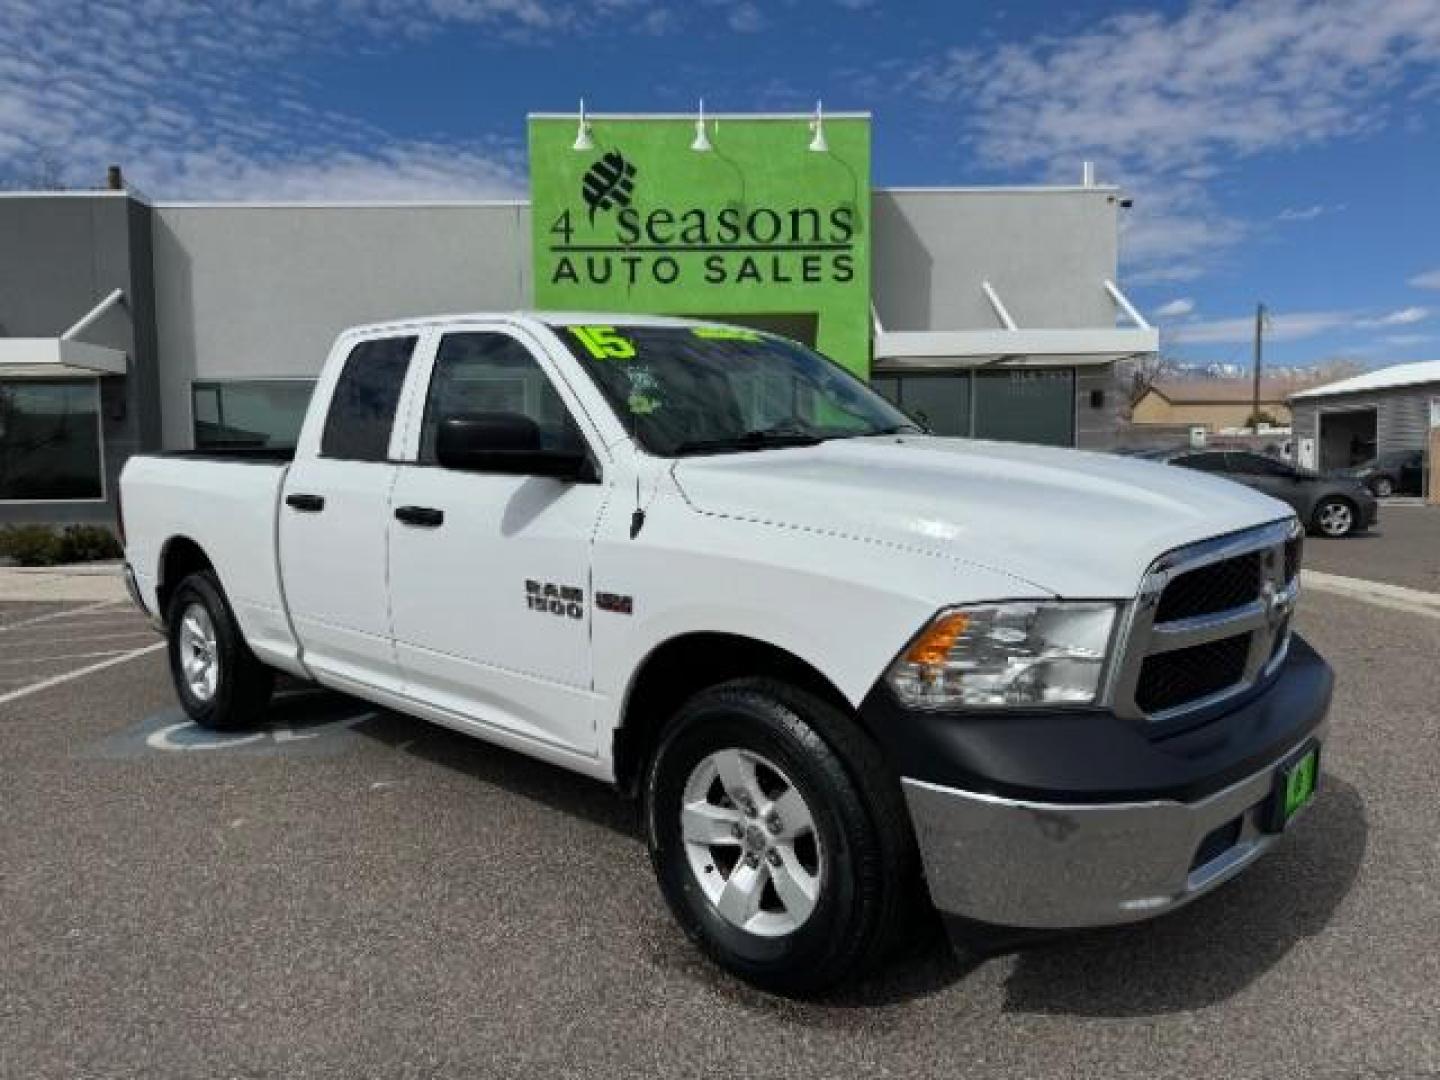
{"x":220,"y":683}
{"x":778,"y":836}
{"x":1335,"y":517}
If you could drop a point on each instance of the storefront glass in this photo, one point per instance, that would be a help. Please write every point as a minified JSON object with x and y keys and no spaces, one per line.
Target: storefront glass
{"x":1033,"y":405}
{"x":255,"y":413}
{"x":49,"y":440}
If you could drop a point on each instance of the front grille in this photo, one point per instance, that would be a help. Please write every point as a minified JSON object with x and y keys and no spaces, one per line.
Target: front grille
{"x":1293,"y":550}
{"x":1210,"y":620}
{"x":1215,"y":587}
{"x":1168,"y":680}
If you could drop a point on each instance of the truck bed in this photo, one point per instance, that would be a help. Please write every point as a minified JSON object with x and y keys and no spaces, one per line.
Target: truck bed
{"x":227,"y":503}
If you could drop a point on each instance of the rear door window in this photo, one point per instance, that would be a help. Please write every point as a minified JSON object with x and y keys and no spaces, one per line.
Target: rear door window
{"x":362,"y":408}
{"x":1258,"y":465}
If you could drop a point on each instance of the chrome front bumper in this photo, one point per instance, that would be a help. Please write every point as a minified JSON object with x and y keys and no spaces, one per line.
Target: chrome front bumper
{"x":1033,"y":865}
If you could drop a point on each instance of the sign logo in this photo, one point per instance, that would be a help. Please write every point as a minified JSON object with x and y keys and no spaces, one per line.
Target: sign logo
{"x":609,"y":183}
{"x":759,"y":227}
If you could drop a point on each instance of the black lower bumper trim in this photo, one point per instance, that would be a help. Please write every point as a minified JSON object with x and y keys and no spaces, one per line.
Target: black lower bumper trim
{"x":1092,"y":755}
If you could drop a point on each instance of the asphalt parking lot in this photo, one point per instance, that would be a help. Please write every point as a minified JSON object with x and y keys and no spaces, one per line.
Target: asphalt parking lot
{"x":356,"y":893}
{"x":1403,"y":549}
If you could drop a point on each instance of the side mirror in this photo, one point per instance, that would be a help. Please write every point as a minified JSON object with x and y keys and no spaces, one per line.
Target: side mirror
{"x":506,"y":443}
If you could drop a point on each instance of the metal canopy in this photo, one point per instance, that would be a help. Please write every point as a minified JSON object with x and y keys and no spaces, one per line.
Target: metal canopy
{"x":63,"y":357}
{"x":57,"y":358}
{"x":1015,"y":346}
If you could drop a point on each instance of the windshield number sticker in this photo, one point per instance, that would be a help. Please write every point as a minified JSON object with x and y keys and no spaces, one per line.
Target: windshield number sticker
{"x":603,"y":343}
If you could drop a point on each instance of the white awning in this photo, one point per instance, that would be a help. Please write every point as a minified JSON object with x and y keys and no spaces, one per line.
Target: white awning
{"x":57,"y":358}
{"x":63,"y":357}
{"x":1015,"y":346}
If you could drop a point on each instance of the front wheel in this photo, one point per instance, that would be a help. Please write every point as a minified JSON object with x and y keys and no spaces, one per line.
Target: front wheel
{"x":1335,"y":517}
{"x":779,"y":839}
{"x":220,"y":683}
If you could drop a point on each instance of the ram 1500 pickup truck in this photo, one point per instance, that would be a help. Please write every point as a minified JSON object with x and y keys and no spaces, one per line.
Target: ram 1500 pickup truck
{"x":845,"y":666}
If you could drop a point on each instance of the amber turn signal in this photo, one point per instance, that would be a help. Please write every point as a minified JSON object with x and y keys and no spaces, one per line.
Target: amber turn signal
{"x":933,"y":646}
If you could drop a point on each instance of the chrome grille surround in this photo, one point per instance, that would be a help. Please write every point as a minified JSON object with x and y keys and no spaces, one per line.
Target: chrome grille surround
{"x":1265,"y":619}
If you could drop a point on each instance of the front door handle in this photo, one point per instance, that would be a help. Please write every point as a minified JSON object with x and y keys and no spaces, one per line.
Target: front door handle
{"x":308,"y":504}
{"x":425,"y":516}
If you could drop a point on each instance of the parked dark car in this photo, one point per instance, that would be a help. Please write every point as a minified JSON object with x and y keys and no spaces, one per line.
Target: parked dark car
{"x":1397,"y":472}
{"x":1328,"y":506}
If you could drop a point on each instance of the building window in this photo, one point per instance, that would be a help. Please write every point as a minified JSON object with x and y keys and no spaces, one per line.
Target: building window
{"x":50,"y":440}
{"x":1032,"y":405}
{"x":1026,"y":405}
{"x":250,"y":412}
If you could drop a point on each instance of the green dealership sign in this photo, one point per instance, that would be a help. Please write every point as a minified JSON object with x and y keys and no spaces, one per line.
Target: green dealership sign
{"x":759,"y":227}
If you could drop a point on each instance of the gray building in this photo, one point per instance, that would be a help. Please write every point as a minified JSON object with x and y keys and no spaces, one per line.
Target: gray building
{"x":1384,"y":414}
{"x":127,"y":325}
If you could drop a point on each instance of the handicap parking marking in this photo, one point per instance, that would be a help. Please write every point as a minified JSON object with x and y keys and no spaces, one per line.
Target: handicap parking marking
{"x":305,"y":722}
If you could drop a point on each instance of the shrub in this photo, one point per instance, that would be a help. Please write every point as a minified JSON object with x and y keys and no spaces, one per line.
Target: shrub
{"x":42,"y":545}
{"x":89,"y":543}
{"x":32,"y":545}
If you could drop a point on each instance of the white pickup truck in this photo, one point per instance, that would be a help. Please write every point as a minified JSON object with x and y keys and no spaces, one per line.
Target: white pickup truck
{"x":844,"y":664}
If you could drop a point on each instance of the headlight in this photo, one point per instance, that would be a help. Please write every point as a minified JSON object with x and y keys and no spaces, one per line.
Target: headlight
{"x":1024,"y":653}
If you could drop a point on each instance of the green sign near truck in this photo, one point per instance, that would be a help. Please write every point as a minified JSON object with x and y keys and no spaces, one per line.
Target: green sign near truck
{"x":760,"y":222}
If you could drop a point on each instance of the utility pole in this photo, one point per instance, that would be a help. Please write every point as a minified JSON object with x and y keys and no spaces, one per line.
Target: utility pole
{"x":1255,"y":390}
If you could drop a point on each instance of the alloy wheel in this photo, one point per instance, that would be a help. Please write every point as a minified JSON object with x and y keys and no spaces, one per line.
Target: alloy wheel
{"x":199,"y":654}
{"x":751,"y":842}
{"x":1335,"y":518}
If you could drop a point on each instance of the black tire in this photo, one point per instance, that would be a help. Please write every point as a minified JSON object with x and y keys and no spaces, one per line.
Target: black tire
{"x":1382,"y":487}
{"x":1335,"y":517}
{"x":868,"y":877}
{"x":242,"y":684}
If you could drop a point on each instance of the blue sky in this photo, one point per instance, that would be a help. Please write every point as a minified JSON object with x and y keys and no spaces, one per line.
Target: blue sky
{"x":1277,"y":150}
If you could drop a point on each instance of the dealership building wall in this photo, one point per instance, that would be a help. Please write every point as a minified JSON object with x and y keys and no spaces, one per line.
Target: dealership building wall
{"x":222,"y":297}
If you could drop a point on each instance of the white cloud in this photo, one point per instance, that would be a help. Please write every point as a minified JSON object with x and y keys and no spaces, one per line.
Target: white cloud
{"x":1405,"y":341}
{"x":1166,"y":103}
{"x":1292,"y":326}
{"x":1430,"y":279}
{"x":1289,"y":326}
{"x":1175,"y":309}
{"x":1307,"y":213}
{"x":1402,"y":317}
{"x":159,"y":90}
{"x":745,"y":18}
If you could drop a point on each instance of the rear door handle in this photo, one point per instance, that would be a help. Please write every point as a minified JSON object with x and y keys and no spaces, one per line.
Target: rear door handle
{"x":309,"y":504}
{"x":424,"y":516}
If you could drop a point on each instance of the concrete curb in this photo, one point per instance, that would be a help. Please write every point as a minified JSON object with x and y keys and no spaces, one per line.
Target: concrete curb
{"x":1394,"y":597}
{"x":40,"y":584}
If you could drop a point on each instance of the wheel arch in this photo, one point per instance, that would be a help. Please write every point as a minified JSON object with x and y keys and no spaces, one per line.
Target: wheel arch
{"x":180,"y":556}
{"x":682,"y":666}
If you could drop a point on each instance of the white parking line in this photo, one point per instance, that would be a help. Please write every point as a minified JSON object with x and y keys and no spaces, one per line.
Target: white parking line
{"x":143,"y":631}
{"x":64,"y":656}
{"x":46,"y":684}
{"x":1379,"y":593}
{"x":67,"y":613}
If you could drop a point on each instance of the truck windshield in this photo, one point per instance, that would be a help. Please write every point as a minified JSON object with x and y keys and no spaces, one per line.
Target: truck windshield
{"x":711,"y":390}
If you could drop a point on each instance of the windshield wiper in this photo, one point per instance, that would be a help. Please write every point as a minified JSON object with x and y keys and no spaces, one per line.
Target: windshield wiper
{"x":751,"y":440}
{"x":894,"y":429}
